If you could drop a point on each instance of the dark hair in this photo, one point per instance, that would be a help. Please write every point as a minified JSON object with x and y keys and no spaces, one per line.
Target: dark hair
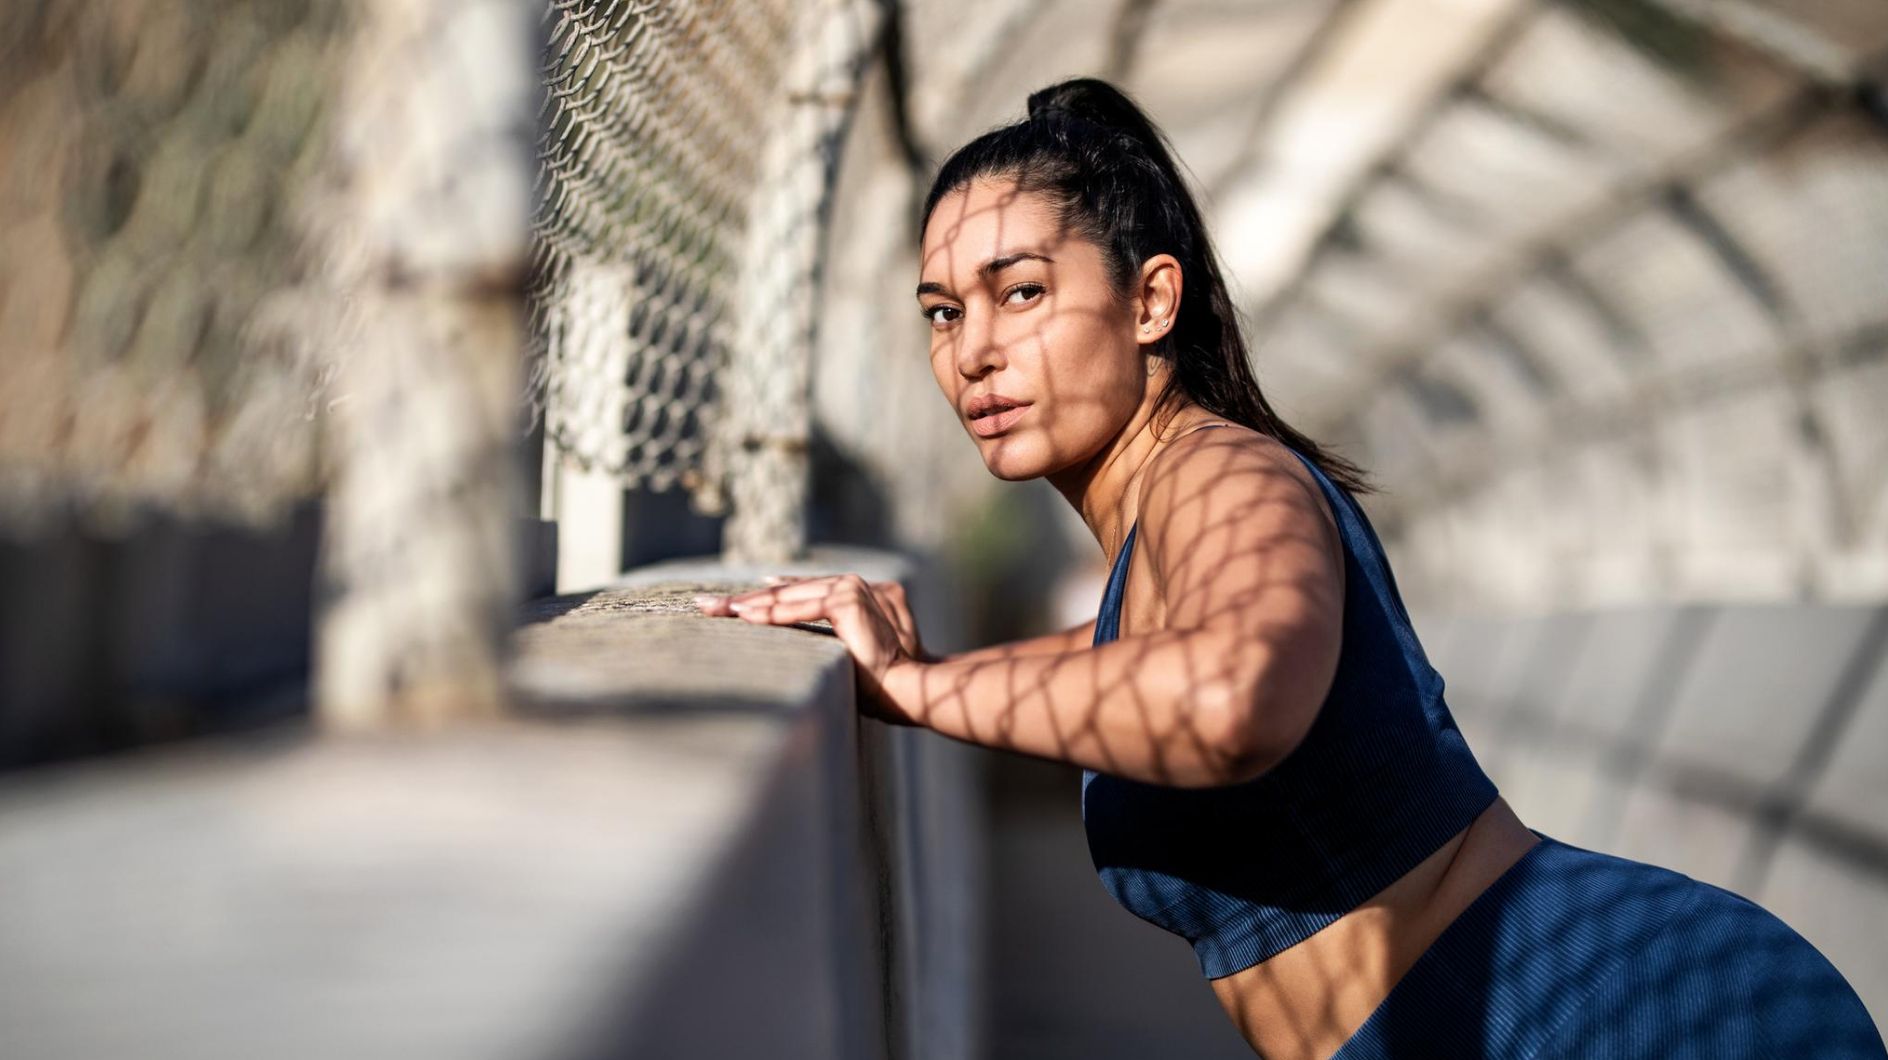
{"x":1112,"y":178}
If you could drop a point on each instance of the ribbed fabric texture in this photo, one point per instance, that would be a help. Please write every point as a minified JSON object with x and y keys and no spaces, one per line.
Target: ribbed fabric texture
{"x":1575,"y":953}
{"x":1381,"y":780}
{"x":1570,"y":953}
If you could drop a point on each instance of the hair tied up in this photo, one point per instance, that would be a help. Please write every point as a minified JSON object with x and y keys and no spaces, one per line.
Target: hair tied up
{"x":1094,"y":101}
{"x":1112,"y":179}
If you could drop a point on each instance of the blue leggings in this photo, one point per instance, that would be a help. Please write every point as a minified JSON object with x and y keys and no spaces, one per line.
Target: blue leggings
{"x":1574,"y":953}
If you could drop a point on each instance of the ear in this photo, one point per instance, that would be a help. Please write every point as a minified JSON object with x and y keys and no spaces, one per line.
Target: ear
{"x":1157,"y":298}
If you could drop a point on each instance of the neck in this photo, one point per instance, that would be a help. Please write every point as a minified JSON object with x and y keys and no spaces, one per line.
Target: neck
{"x":1103,"y":488}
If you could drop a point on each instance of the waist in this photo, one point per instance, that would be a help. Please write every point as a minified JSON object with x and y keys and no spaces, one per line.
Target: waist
{"x":1311,"y":997}
{"x":1244,"y":872}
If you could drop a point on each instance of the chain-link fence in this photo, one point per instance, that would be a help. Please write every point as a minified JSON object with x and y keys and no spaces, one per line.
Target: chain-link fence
{"x":217,"y":220}
{"x":687,"y":162}
{"x":651,"y":137}
{"x":259,"y":255}
{"x":156,"y":339}
{"x":252,"y":256}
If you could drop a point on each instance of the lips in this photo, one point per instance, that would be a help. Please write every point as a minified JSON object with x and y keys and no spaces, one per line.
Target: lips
{"x":982,"y":404}
{"x":997,"y":419}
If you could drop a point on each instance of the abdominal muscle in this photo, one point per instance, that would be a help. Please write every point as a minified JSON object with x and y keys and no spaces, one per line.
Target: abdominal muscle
{"x":1307,"y":1001}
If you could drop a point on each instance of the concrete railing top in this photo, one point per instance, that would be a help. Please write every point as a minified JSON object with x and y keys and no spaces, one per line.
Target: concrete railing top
{"x":507,"y":889}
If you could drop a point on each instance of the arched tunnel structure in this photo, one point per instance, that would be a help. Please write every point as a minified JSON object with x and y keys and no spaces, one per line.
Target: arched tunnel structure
{"x":1598,"y":293}
{"x":1593,"y":288}
{"x":331,"y":331}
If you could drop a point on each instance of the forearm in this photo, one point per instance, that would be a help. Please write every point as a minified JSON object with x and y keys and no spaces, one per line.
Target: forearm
{"x":1047,"y":644}
{"x":1163,"y":708}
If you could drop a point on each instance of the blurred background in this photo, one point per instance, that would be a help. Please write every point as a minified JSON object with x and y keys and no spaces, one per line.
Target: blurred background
{"x":377,"y":375}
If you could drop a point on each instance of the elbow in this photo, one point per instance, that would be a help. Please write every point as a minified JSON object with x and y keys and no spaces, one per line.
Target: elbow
{"x":1239,"y":744}
{"x":1239,"y":750}
{"x":1255,"y":718}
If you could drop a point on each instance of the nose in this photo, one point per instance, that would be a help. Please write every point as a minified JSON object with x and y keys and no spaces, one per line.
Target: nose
{"x":978,"y":351}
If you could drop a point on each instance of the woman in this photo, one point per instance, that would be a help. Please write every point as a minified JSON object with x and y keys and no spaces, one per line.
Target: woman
{"x":1269,"y":768}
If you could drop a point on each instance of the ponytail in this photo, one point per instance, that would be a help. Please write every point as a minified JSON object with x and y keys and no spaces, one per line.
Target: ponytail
{"x":1112,"y":176}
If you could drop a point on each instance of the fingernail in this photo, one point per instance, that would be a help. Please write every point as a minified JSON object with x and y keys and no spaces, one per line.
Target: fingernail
{"x":738,"y":607}
{"x":704,"y":600}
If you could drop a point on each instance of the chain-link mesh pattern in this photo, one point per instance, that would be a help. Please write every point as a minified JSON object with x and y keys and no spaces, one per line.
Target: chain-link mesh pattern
{"x":655,"y":115}
{"x":157,"y":338}
{"x":1531,"y":262}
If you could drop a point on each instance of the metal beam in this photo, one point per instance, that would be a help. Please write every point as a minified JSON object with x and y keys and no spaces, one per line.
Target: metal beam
{"x":1124,"y":38}
{"x":1315,"y":46}
{"x":1573,"y":424}
{"x":1347,"y":201}
{"x":1626,"y":200}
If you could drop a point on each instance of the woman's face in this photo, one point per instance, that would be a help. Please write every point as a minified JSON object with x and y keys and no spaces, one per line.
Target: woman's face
{"x":1021,"y":311}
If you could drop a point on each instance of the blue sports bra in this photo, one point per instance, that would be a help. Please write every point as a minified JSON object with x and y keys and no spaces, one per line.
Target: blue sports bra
{"x":1381,"y":780}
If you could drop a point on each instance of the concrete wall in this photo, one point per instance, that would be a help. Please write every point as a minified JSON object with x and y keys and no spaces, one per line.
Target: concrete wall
{"x":684,"y":842}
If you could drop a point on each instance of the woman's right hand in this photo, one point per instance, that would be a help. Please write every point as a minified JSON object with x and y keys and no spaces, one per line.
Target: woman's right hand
{"x":891,"y":599}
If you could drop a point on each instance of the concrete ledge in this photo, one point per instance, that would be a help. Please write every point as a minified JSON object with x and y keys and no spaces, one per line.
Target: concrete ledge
{"x":685,"y":843}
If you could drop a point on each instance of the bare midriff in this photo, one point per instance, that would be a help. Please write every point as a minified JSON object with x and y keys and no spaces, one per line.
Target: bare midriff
{"x":1307,"y":1001}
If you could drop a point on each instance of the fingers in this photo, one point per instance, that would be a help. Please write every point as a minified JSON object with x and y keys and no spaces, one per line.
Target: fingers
{"x":810,"y":589}
{"x":722,"y":605}
{"x":841,"y":605}
{"x":858,"y":615}
{"x":891,"y":589}
{"x":790,"y":590}
{"x":785,"y":612}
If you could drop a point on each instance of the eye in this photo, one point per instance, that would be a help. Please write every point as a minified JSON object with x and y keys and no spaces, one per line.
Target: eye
{"x":931,"y":314}
{"x":1033,"y":289}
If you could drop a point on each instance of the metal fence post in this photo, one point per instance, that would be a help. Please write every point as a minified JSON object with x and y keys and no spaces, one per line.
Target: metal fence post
{"x":424,"y":229}
{"x":765,"y":416}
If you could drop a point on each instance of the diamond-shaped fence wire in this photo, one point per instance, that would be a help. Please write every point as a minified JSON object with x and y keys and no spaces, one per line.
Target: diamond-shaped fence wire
{"x":654,"y":119}
{"x":1526,"y":264}
{"x":156,"y":339}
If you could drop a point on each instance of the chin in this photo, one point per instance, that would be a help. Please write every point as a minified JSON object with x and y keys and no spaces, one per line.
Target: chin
{"x":1009,"y":475}
{"x":1016,"y":463}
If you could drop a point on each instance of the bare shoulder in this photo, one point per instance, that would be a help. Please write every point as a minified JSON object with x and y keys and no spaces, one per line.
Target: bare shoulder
{"x":1246,"y":556}
{"x":1209,"y":474}
{"x":1232,"y":515}
{"x":1225,"y":437}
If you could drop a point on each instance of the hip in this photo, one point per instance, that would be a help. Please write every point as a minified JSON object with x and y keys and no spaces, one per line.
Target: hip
{"x":1577,"y":953}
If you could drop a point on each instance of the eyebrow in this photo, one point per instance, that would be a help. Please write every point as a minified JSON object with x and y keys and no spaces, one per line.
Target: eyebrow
{"x":987,"y":269}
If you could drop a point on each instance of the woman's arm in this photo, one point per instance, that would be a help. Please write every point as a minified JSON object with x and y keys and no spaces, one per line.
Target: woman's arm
{"x":1066,"y":640}
{"x":1250,"y":570}
{"x":1164,"y":707}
